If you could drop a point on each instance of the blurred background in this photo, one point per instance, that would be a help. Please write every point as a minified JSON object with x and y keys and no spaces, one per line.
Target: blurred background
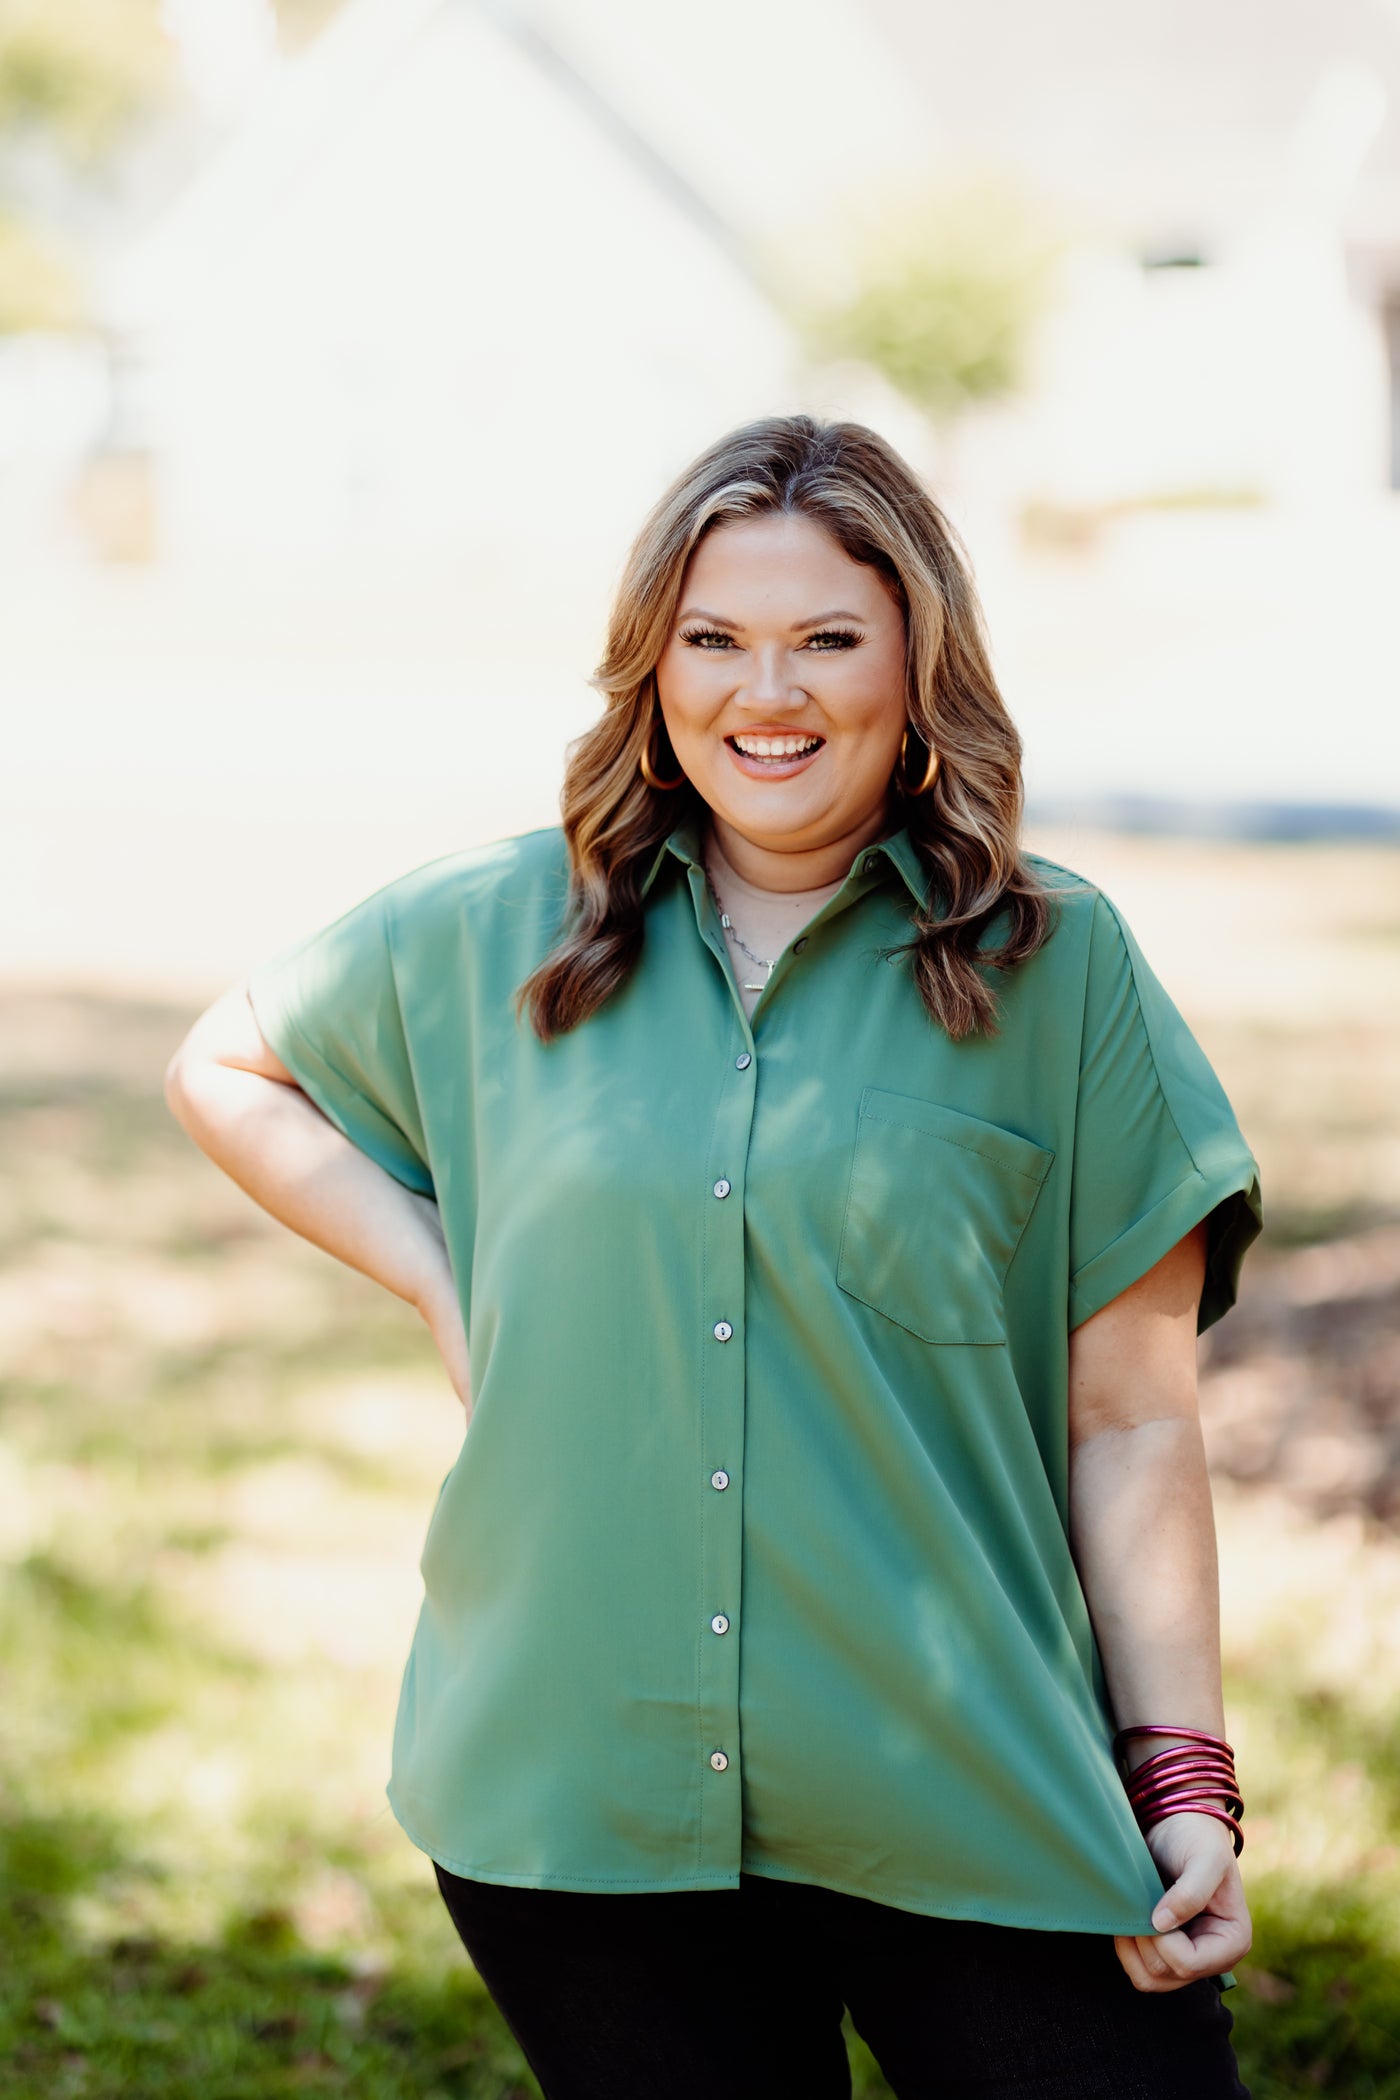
{"x":342,"y":347}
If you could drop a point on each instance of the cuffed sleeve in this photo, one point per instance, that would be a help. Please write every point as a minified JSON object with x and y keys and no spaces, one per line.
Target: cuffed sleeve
{"x":1157,"y":1147}
{"x":329,"y":1006}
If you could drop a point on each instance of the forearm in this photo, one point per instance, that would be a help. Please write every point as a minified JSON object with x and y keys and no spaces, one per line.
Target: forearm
{"x":1142,"y":1531}
{"x":275,"y":1143}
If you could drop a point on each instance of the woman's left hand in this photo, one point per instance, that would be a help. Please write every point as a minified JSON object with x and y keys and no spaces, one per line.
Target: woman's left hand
{"x":1203,"y":1907}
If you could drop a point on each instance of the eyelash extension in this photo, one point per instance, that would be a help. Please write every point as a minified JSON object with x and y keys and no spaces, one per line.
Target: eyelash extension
{"x":846,"y":637}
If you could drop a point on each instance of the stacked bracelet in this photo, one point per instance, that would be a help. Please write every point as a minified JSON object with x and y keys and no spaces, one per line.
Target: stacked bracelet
{"x":1173,"y":1781}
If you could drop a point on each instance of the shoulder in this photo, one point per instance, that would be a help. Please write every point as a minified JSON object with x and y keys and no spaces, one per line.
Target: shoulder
{"x":1072,"y":893}
{"x":1128,"y":1018}
{"x":1083,"y":919}
{"x":1090,"y":962}
{"x":511,"y":878}
{"x":1082,"y":914}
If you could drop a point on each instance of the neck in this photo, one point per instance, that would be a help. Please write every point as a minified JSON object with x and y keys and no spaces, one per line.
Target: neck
{"x":784,"y":868}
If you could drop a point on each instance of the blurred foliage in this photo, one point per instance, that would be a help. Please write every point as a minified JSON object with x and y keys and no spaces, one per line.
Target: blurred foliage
{"x":39,"y":288}
{"x":299,"y":22}
{"x":75,"y":77}
{"x":80,"y":71}
{"x":939,"y":292}
{"x":218,"y":1452}
{"x":1079,"y":527}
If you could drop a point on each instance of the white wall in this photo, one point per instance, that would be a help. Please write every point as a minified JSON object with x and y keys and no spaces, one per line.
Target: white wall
{"x":464,"y":323}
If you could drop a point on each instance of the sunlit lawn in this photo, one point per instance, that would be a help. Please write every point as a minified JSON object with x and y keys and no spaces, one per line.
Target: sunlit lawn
{"x":218,"y":1452}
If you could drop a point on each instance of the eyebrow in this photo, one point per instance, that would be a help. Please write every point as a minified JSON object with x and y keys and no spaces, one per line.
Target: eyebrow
{"x":697,"y":612}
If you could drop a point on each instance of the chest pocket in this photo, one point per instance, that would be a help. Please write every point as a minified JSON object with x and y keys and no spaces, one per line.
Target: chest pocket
{"x":935,"y":1209}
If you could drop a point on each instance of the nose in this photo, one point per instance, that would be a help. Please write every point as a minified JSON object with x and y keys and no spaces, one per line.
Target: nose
{"x":771,"y":681}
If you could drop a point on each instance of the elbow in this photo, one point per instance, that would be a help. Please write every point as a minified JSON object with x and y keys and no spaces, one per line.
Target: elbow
{"x":207,"y":1079}
{"x":181,"y":1085}
{"x":197,"y":1048}
{"x":174,"y":1088}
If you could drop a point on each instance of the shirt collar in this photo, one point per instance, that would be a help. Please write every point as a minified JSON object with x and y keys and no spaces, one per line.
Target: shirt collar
{"x":898,"y":851}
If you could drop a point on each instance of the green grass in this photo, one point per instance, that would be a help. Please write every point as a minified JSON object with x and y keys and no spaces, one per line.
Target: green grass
{"x":218,"y":1452}
{"x":245,"y":2015}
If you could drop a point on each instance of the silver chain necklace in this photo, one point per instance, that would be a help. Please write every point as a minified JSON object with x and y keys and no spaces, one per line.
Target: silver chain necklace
{"x":733,"y":932}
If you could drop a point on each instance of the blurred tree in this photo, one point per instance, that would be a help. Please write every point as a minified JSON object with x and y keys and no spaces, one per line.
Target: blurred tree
{"x":299,"y":21}
{"x":939,"y":294}
{"x":79,"y":71}
{"x":39,"y":288}
{"x":75,"y":76}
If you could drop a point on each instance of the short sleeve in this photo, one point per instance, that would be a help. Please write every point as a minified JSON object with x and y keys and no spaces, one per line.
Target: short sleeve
{"x":1157,"y":1147}
{"x":329,"y":1006}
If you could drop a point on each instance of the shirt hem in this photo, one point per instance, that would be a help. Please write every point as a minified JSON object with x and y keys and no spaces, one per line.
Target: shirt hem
{"x":994,"y":1914}
{"x":987,"y":1914}
{"x":642,"y":1884}
{"x":650,"y":1884}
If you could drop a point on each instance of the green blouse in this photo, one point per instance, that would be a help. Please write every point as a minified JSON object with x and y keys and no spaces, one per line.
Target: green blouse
{"x":755,"y":1554}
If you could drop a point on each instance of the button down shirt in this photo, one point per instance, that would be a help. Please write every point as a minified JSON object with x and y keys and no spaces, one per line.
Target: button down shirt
{"x":755,"y":1556}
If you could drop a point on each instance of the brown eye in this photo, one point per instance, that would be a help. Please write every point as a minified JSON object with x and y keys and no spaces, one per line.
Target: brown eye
{"x":830,"y":638}
{"x":703,"y":637}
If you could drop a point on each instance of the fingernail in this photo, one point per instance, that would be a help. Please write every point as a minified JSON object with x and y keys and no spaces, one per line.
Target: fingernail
{"x":1162,"y":1918}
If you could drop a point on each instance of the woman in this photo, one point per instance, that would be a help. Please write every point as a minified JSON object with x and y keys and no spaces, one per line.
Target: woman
{"x":828,"y":1198}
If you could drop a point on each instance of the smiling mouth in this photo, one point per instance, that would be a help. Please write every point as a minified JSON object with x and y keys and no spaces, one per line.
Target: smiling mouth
{"x":774,"y":750}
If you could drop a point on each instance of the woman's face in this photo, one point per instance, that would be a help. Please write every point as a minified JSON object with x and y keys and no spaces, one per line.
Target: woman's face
{"x":783,"y":685}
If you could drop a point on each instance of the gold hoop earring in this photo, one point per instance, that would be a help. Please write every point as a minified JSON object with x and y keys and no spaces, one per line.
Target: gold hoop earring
{"x":930,"y":770}
{"x":649,"y":774}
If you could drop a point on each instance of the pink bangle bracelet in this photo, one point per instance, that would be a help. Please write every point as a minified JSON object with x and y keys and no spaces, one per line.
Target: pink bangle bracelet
{"x":1190,"y":1735}
{"x":1163,"y":1804}
{"x":1153,"y":1770}
{"x":1207,"y":1779}
{"x":1153,"y":1778}
{"x":1176,"y":1780}
{"x":1183,"y":1761}
{"x":1168,"y":1804}
{"x":1201,"y":1808}
{"x":1191,"y":1752}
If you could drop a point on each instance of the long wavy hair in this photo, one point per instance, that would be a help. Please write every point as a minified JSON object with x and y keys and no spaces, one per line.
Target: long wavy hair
{"x":966,"y":828}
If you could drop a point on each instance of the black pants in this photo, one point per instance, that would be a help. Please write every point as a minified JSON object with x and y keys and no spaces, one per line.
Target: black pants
{"x":738,"y":1994}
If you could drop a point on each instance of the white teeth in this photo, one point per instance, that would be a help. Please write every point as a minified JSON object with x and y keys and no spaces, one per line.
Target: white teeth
{"x":776,"y":747}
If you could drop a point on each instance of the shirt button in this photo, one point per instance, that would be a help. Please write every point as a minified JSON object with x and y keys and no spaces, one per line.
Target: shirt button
{"x":719,"y":1624}
{"x":743,"y":1061}
{"x":719,"y":1761}
{"x":798,"y":946}
{"x":719,"y":1479}
{"x":721,"y":1188}
{"x":723,"y":1330}
{"x":872,"y":862}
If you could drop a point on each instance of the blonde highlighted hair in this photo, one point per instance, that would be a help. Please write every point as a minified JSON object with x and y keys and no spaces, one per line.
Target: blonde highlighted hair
{"x":966,"y":828}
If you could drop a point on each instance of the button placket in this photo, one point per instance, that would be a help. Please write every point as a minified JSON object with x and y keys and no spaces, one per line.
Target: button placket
{"x":719,"y":1484}
{"x":707,"y":921}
